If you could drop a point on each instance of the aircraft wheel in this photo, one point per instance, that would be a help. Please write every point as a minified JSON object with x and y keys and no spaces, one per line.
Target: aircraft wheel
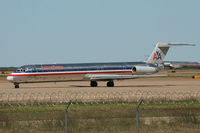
{"x":173,"y":71}
{"x":93,"y":84}
{"x":16,"y":85}
{"x":110,"y":84}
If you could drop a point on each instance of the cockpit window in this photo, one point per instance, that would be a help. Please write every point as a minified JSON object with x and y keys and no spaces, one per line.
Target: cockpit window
{"x":26,"y":69}
{"x":20,"y":70}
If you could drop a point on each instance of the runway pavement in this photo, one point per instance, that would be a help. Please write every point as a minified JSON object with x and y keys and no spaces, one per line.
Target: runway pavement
{"x":126,"y":90}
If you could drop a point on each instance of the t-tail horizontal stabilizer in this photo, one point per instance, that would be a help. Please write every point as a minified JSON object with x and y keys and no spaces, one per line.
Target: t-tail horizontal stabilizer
{"x":160,"y":52}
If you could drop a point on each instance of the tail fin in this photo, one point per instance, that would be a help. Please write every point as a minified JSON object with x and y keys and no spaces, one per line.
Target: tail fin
{"x":160,"y":52}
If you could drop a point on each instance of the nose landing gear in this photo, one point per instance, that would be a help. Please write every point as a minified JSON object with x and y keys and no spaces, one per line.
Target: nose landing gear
{"x":16,"y":85}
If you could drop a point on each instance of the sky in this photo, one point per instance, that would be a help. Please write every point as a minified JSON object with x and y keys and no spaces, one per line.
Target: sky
{"x":81,"y":31}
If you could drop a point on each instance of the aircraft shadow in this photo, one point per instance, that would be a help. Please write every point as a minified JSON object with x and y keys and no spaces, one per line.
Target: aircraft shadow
{"x":86,"y":86}
{"x":126,"y":86}
{"x":29,"y":87}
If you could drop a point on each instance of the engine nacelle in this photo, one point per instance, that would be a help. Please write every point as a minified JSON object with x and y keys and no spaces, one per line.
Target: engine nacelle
{"x":144,"y":69}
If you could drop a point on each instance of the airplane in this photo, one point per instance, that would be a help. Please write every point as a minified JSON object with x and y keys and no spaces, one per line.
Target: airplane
{"x":93,"y":72}
{"x":181,"y":64}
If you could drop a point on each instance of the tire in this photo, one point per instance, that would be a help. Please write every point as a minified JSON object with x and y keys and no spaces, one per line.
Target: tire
{"x":93,"y":84}
{"x":16,"y":85}
{"x":110,"y":84}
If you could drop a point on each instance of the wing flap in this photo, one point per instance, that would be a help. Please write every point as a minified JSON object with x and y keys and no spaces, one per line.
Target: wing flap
{"x":105,"y":77}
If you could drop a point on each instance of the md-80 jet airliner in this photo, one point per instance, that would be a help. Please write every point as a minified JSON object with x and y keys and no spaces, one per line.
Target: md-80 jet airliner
{"x":93,"y":71}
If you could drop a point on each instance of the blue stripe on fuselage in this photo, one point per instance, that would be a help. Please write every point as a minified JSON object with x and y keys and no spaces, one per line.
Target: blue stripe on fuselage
{"x":79,"y":69}
{"x":84,"y":67}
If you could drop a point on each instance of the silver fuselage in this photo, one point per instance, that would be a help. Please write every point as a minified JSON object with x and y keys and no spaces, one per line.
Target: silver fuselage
{"x":70,"y":72}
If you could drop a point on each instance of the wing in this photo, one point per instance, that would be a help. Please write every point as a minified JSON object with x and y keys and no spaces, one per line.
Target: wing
{"x":106,"y":77}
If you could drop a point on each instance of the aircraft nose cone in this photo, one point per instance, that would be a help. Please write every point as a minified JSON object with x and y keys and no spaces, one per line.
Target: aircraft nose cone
{"x":10,"y":78}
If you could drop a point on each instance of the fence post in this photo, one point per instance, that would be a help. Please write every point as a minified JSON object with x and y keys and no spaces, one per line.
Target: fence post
{"x":66,"y":111}
{"x":137,"y":115}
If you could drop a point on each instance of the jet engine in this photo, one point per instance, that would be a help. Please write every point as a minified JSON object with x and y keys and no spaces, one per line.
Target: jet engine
{"x":144,"y":69}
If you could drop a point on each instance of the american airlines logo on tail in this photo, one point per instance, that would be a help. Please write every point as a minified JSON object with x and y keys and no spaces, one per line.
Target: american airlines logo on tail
{"x":157,"y":56}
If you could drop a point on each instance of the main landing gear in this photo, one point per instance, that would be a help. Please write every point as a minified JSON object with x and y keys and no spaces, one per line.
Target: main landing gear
{"x":93,"y":84}
{"x":109,"y":83}
{"x":16,"y":85}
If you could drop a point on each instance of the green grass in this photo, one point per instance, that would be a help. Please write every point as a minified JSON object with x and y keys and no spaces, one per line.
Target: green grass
{"x":116,"y":117}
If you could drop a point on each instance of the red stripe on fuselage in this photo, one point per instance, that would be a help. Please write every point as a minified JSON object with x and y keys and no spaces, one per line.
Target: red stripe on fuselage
{"x":47,"y":74}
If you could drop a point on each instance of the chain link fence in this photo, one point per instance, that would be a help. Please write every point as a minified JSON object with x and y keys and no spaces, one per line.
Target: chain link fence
{"x":109,"y":117}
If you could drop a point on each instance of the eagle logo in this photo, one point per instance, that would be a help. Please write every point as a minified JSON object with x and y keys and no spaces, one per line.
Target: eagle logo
{"x":157,"y":56}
